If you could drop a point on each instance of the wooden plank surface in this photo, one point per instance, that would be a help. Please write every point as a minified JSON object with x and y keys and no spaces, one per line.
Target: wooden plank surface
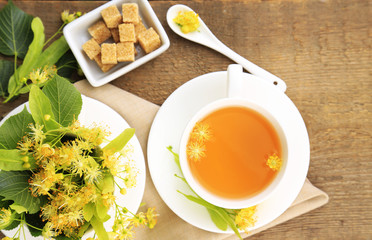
{"x":321,"y":49}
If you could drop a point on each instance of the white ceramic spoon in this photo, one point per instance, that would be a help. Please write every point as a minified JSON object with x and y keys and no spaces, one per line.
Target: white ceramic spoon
{"x":205,"y":37}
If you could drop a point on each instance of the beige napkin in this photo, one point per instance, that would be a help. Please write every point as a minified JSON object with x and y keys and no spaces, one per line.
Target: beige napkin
{"x":139,"y":114}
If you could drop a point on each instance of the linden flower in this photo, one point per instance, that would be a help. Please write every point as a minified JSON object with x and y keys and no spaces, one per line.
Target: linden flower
{"x":195,"y":151}
{"x":7,"y":238}
{"x":42,"y":75}
{"x":26,"y":145}
{"x":139,"y":219}
{"x":151,"y":217}
{"x":67,"y":17}
{"x":201,"y":132}
{"x":5,"y":216}
{"x":48,"y":231}
{"x":37,"y":134}
{"x":274,"y":162}
{"x":246,"y":218}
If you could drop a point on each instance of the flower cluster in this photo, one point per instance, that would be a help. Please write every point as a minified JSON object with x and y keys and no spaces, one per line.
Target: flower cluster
{"x":196,"y":145}
{"x":41,"y":75}
{"x":246,"y":218}
{"x":68,"y":17}
{"x":74,"y":172}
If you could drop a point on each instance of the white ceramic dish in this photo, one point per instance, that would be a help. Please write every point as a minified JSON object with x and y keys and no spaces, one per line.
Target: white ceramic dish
{"x":116,"y":124}
{"x":173,"y":117}
{"x":76,"y":34}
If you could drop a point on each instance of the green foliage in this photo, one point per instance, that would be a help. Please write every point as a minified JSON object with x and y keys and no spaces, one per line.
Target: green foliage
{"x":22,"y":36}
{"x":53,"y":53}
{"x":66,"y":65}
{"x":88,"y":211}
{"x":14,"y":128}
{"x":120,"y":141}
{"x":41,"y":109}
{"x":13,"y":160}
{"x":217,"y":220}
{"x":106,"y":184}
{"x":7,"y":70}
{"x":34,"y":50}
{"x":99,"y":228}
{"x":15,"y":31}
{"x":65,"y":100}
{"x":14,"y":186}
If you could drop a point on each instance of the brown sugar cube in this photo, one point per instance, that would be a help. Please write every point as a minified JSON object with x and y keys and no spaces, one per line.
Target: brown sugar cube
{"x":108,"y":53}
{"x":100,"y":32}
{"x":111,"y":16}
{"x":91,"y":48}
{"x":125,"y":52}
{"x":138,"y":29}
{"x":115,"y":34}
{"x":126,"y":32}
{"x":103,"y":67}
{"x":130,"y":13}
{"x":149,"y":40}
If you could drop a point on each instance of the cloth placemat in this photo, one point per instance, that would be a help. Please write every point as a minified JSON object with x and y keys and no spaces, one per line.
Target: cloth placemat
{"x":139,"y":114}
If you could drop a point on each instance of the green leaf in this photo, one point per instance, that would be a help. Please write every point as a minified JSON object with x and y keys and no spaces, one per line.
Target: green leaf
{"x":65,"y":100}
{"x":176,"y":157}
{"x":14,"y":186}
{"x":34,"y":51}
{"x":99,"y":229}
{"x":12,"y":160}
{"x":120,"y":141}
{"x":66,"y":65}
{"x":83,"y":229}
{"x":101,"y":210}
{"x":88,"y":211}
{"x":15,"y":31}
{"x":217,"y":220}
{"x":53,"y":53}
{"x":14,"y":128}
{"x":7,"y":70}
{"x":41,"y":109}
{"x":18,"y":208}
{"x":106,"y":184}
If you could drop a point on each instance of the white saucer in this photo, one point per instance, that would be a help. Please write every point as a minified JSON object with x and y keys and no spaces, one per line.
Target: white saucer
{"x":178,"y":109}
{"x":94,"y":111}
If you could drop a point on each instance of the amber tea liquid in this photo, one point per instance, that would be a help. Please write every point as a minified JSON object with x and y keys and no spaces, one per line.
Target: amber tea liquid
{"x":233,"y":162}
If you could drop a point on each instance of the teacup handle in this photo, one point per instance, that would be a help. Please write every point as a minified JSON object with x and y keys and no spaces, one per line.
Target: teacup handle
{"x":234,"y":80}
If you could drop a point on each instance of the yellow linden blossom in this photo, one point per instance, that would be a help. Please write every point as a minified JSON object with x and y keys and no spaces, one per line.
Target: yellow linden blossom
{"x":187,"y":20}
{"x":195,"y":151}
{"x":5,"y":216}
{"x":67,"y":17}
{"x":246,"y":218}
{"x":42,"y":75}
{"x":274,"y":162}
{"x":201,"y":132}
{"x":151,"y":216}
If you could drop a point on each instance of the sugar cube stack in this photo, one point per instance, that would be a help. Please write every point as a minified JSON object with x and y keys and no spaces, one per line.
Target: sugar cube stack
{"x":115,"y":36}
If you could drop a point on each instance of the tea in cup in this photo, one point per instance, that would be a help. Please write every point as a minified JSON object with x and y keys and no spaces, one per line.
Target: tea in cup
{"x":233,"y":151}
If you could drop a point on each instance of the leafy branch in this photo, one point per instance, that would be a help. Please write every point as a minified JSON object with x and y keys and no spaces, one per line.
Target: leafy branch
{"x":22,"y":36}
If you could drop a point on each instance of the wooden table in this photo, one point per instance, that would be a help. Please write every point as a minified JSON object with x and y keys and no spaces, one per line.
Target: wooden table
{"x":321,"y":49}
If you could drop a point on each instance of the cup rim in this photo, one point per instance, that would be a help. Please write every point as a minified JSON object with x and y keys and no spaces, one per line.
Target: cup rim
{"x":232,"y":203}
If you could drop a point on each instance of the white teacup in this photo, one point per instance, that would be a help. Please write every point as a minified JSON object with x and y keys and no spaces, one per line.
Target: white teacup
{"x":235,"y":98}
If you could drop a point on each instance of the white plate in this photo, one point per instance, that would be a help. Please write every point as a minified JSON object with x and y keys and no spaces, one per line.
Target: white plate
{"x":76,"y":34}
{"x":94,"y":111}
{"x":178,"y":109}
